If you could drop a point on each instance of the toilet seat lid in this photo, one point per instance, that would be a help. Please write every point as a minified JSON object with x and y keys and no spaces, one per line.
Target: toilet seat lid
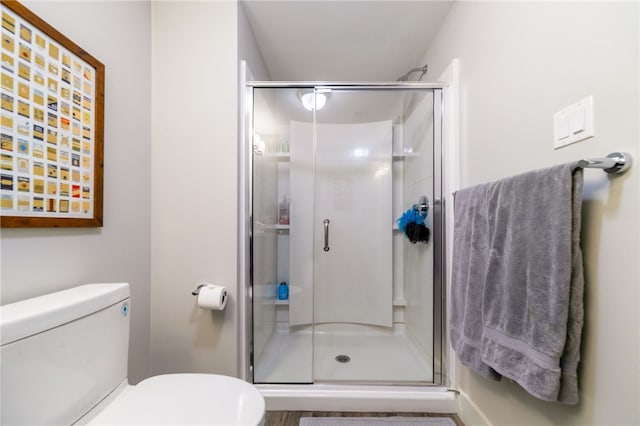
{"x":186,"y":399}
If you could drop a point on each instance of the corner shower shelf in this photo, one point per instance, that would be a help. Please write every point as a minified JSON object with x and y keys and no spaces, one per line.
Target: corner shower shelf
{"x":403,"y":155}
{"x":280,"y":156}
{"x":281,"y":302}
{"x":272,"y":227}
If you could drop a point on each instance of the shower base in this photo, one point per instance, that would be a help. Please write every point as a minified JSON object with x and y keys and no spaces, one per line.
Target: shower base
{"x":343,"y":353}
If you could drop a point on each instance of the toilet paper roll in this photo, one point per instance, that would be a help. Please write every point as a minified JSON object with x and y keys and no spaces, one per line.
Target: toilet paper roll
{"x":212,"y":297}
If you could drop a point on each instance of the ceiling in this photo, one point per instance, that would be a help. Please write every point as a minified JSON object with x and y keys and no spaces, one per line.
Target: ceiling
{"x":330,"y":40}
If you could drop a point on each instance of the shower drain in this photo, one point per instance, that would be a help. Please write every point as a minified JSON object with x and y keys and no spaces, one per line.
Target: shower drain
{"x":343,"y":358}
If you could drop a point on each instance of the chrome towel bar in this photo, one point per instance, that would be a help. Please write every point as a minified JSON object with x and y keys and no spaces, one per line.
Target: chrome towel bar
{"x":616,"y":162}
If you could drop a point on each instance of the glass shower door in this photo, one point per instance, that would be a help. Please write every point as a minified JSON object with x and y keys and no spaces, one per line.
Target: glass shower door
{"x":282,"y":348}
{"x":363,"y":300}
{"x":365,"y":328}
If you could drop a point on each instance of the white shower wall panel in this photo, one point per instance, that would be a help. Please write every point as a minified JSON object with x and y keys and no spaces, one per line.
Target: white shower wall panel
{"x":418,"y":258}
{"x":264,"y":310}
{"x":265,"y":249}
{"x":301,"y":212}
{"x":398,"y":207}
{"x":418,"y":139}
{"x":351,"y":188}
{"x":418,"y":276}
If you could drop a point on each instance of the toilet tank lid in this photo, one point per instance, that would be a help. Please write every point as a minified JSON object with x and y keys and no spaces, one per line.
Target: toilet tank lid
{"x":31,"y":316}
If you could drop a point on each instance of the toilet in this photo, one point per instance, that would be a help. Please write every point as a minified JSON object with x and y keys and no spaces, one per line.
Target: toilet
{"x":64,"y":362}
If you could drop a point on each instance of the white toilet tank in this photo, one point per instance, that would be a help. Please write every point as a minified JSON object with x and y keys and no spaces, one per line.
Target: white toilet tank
{"x":62,"y":353}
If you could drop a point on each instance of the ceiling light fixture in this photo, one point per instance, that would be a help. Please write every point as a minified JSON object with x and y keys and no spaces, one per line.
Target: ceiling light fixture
{"x":308,"y":98}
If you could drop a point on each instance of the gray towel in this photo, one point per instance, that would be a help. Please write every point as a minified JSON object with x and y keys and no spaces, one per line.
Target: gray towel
{"x":471,"y":245}
{"x":518,"y":268}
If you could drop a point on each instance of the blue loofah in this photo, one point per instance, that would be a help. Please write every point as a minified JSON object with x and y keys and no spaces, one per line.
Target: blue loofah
{"x":410,"y":216}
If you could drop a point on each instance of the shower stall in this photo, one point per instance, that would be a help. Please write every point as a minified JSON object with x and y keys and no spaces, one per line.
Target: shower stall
{"x":335,"y":292}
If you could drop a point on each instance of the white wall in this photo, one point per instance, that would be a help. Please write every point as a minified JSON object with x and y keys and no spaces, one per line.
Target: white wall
{"x":519,"y":63}
{"x":187,"y":106}
{"x":193,"y":193}
{"x":248,"y":48}
{"x":39,"y":261}
{"x":196,"y":49}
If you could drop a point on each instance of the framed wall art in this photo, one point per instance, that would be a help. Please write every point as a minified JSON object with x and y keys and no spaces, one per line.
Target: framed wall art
{"x":52,"y":130}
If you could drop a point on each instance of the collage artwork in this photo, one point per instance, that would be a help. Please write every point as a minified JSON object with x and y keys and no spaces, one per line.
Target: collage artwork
{"x":47,"y":151}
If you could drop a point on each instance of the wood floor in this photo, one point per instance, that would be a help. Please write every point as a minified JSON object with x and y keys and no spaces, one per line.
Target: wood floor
{"x":292,"y":418}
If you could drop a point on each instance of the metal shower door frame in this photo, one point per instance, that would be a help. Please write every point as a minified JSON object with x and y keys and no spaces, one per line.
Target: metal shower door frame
{"x":245,"y":208}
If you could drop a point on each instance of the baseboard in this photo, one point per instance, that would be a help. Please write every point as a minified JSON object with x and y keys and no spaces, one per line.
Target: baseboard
{"x":470,"y":413}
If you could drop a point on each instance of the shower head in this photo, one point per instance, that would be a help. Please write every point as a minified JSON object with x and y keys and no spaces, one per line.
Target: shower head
{"x":406,"y":76}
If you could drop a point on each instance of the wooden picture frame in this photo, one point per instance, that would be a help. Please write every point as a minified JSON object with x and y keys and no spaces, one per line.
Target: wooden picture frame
{"x":52,"y":152}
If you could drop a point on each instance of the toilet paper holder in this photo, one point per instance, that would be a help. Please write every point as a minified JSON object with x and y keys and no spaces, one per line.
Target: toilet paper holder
{"x":197,"y":290}
{"x":211,"y":296}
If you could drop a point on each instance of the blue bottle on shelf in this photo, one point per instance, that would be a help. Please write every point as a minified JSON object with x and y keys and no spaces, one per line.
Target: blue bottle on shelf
{"x":283,"y":291}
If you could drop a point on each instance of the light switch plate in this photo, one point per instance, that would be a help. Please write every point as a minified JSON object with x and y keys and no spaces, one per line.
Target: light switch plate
{"x":574,"y":123}
{"x":562,"y":130}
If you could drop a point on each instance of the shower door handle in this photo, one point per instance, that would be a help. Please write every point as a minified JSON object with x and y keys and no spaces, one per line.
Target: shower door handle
{"x":326,"y":234}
